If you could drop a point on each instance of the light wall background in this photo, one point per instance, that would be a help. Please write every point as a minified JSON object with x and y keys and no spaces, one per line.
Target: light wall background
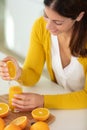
{"x":19,"y":18}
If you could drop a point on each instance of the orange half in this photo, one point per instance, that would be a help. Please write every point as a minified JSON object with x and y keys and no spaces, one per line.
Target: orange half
{"x":4,"y":109}
{"x":2,"y":124}
{"x":11,"y":69}
{"x":20,"y":121}
{"x":40,"y":125}
{"x":40,"y":114}
{"x":12,"y":127}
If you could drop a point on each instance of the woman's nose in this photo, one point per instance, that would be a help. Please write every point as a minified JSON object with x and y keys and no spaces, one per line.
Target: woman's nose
{"x":49,"y":24}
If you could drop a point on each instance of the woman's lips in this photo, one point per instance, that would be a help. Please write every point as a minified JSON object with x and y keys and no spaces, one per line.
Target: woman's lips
{"x":53,"y":31}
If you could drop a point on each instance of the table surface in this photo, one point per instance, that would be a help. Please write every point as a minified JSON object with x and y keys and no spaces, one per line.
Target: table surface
{"x":65,"y":119}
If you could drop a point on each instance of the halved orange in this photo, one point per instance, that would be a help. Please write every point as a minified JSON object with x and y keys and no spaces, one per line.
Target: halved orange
{"x":12,"y":127}
{"x":2,"y":124}
{"x":40,"y":114}
{"x":40,"y":125}
{"x":4,"y":109}
{"x":20,"y":121}
{"x":11,"y":69}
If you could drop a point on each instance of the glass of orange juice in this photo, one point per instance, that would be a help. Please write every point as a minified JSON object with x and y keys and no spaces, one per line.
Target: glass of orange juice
{"x":15,"y":88}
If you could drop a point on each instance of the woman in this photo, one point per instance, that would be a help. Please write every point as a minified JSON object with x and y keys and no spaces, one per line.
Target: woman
{"x":58,"y":38}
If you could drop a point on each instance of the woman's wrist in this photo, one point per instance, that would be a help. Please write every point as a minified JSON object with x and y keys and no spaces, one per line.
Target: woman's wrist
{"x":19,"y":72}
{"x":42,"y":98}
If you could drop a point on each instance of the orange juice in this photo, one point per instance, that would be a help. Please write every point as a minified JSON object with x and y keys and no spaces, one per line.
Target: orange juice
{"x":13,"y":90}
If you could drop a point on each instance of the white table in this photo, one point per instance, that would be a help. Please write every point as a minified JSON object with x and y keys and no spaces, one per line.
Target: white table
{"x":65,"y":119}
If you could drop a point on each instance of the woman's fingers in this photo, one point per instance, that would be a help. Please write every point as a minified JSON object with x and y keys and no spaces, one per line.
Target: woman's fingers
{"x":20,"y":102}
{"x":4,"y":70}
{"x":27,"y":101}
{"x":21,"y":105}
{"x":27,"y":109}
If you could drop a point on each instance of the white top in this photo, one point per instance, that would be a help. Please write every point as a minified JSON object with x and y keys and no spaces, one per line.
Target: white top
{"x":72,"y":76}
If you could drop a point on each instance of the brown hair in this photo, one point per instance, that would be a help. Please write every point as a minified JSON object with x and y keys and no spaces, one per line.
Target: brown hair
{"x":71,"y":9}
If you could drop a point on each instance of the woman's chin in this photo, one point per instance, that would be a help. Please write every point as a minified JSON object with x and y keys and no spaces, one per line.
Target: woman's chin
{"x":54,"y":33}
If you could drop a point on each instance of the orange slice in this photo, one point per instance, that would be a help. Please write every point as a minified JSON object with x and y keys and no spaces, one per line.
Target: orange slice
{"x":11,"y":69}
{"x":20,"y":121}
{"x":40,"y":114}
{"x":2,"y":124}
{"x":12,"y":127}
{"x":39,"y":126}
{"x":4,"y":109}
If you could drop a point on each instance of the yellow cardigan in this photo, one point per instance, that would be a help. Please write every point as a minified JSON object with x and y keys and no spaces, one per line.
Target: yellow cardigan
{"x":39,"y":53}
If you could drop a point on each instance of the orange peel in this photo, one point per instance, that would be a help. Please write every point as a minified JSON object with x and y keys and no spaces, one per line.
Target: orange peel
{"x":11,"y":69}
{"x":40,"y":125}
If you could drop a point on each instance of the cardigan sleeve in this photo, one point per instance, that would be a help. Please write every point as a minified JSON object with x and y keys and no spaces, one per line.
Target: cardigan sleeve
{"x":35,"y":58}
{"x":72,"y":100}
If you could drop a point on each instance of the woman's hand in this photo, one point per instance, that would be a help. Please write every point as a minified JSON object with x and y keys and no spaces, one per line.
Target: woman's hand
{"x":27,"y":101}
{"x":4,"y":74}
